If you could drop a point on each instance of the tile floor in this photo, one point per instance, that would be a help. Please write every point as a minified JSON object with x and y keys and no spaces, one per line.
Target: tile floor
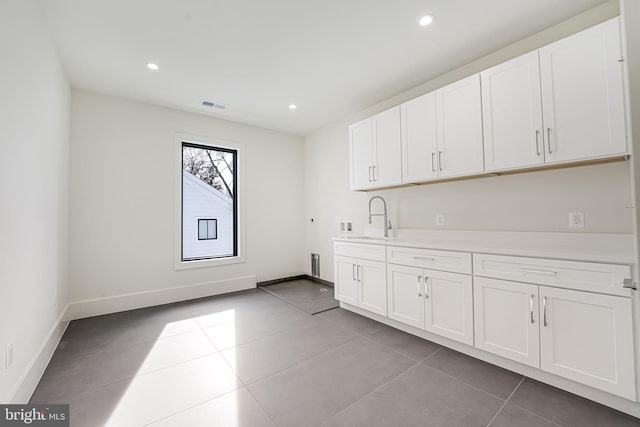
{"x":250,"y":359}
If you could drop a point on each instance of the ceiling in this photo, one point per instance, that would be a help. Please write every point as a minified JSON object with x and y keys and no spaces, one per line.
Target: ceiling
{"x":331,"y":58}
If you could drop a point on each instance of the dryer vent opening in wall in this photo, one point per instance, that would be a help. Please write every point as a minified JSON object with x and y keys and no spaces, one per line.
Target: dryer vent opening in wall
{"x":315,"y":265}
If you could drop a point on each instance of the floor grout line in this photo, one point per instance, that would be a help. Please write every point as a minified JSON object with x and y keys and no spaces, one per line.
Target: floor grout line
{"x":505,"y":402}
{"x":371,"y":392}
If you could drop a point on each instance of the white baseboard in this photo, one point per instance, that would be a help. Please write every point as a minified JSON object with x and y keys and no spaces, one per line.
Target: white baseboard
{"x":25,"y":386}
{"x":99,"y":306}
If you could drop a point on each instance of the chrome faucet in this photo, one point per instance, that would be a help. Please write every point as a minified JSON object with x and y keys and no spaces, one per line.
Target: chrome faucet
{"x":387,"y":223}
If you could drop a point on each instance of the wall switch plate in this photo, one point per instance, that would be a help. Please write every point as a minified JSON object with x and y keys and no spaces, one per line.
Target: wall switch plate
{"x":440,"y":220}
{"x":345,"y":226}
{"x":9,"y":358}
{"x":576,"y":219}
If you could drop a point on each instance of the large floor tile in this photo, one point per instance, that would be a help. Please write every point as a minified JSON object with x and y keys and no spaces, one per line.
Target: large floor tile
{"x":261,"y":358}
{"x":411,"y":346}
{"x":351,"y":321}
{"x":421,"y":397}
{"x":235,"y":409}
{"x":318,"y":388}
{"x":567,"y":409}
{"x":153,"y":396}
{"x":69,"y":377}
{"x":250,"y":307}
{"x":513,"y":416}
{"x":485,"y":376}
{"x":249,"y":328}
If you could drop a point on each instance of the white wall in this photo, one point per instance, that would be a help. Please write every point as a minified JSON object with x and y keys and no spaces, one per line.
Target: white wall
{"x":535,"y":201}
{"x":122,"y":168}
{"x":34,"y":150}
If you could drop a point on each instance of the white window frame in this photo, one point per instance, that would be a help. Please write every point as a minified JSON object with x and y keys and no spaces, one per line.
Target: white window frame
{"x":179,"y":264}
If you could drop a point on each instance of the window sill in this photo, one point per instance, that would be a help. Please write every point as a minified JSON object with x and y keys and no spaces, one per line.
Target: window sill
{"x":203,"y":263}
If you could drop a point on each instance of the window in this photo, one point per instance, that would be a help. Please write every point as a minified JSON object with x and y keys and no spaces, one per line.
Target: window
{"x":208,"y":214}
{"x":207,"y":229}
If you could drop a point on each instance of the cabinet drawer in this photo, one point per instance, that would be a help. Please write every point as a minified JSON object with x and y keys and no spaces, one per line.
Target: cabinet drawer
{"x":457,"y":262}
{"x":586,"y":276}
{"x":372,"y":252}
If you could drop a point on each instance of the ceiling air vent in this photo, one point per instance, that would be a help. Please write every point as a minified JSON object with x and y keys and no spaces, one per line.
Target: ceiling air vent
{"x":212,"y":104}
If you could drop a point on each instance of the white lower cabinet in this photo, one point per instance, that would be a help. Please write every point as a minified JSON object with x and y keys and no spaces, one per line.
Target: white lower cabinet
{"x":437,"y":301}
{"x":362,"y":283}
{"x":582,"y":336}
{"x":506,"y":319}
{"x":588,"y":338}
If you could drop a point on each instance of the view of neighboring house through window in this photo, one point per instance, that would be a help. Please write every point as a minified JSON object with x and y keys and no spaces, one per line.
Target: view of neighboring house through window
{"x":209,"y":205}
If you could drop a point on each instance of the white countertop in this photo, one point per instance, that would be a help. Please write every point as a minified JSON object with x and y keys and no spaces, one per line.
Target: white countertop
{"x":593,"y":247}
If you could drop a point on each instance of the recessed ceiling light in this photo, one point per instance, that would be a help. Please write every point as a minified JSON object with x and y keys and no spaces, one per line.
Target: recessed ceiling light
{"x":152,"y":66}
{"x":426,"y":20}
{"x":292,"y":106}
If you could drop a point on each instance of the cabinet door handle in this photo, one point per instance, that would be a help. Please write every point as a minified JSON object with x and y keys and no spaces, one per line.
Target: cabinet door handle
{"x":359,"y":270}
{"x":426,"y":290}
{"x":369,"y":173}
{"x":549,"y":139}
{"x":537,"y":143}
{"x":544,"y":311}
{"x":433,"y":161}
{"x":419,"y":283}
{"x":546,"y":272}
{"x":353,"y":272}
{"x":440,"y":160}
{"x":531,"y":306}
{"x":374,"y":173}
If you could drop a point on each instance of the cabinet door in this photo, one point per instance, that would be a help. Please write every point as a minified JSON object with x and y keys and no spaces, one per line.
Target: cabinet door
{"x":512,"y":114}
{"x":372,"y":286}
{"x":361,"y":157}
{"x":506,"y":319}
{"x":588,"y":338}
{"x":582,"y":95}
{"x":449,"y":305}
{"x":405,"y":295}
{"x":459,"y":120}
{"x":387,"y":159}
{"x":346,"y":285}
{"x":419,"y":145}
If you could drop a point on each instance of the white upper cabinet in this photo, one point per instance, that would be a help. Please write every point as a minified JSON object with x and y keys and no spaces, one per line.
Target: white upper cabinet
{"x":386,"y":133}
{"x":459,"y":128}
{"x":512,"y":114}
{"x":419,"y":145}
{"x":560,"y":104}
{"x":361,"y":154}
{"x":374,"y":145}
{"x":582,"y":95}
{"x":442,"y":133}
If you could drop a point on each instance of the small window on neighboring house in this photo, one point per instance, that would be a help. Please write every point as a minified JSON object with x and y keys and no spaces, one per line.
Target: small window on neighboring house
{"x":207,"y":229}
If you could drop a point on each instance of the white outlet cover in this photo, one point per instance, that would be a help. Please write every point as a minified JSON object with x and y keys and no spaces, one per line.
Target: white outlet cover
{"x":440,"y":220}
{"x":576,"y":219}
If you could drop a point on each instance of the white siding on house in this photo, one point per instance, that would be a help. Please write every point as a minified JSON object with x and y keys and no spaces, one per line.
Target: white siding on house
{"x":202,"y":201}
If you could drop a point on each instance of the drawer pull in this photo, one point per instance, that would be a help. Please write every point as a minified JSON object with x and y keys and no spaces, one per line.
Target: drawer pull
{"x":546,"y":272}
{"x":424,"y":258}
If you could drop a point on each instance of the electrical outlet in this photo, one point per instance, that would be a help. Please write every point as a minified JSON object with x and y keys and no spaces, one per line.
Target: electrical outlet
{"x":9,"y":359}
{"x":576,"y":219}
{"x":440,"y":220}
